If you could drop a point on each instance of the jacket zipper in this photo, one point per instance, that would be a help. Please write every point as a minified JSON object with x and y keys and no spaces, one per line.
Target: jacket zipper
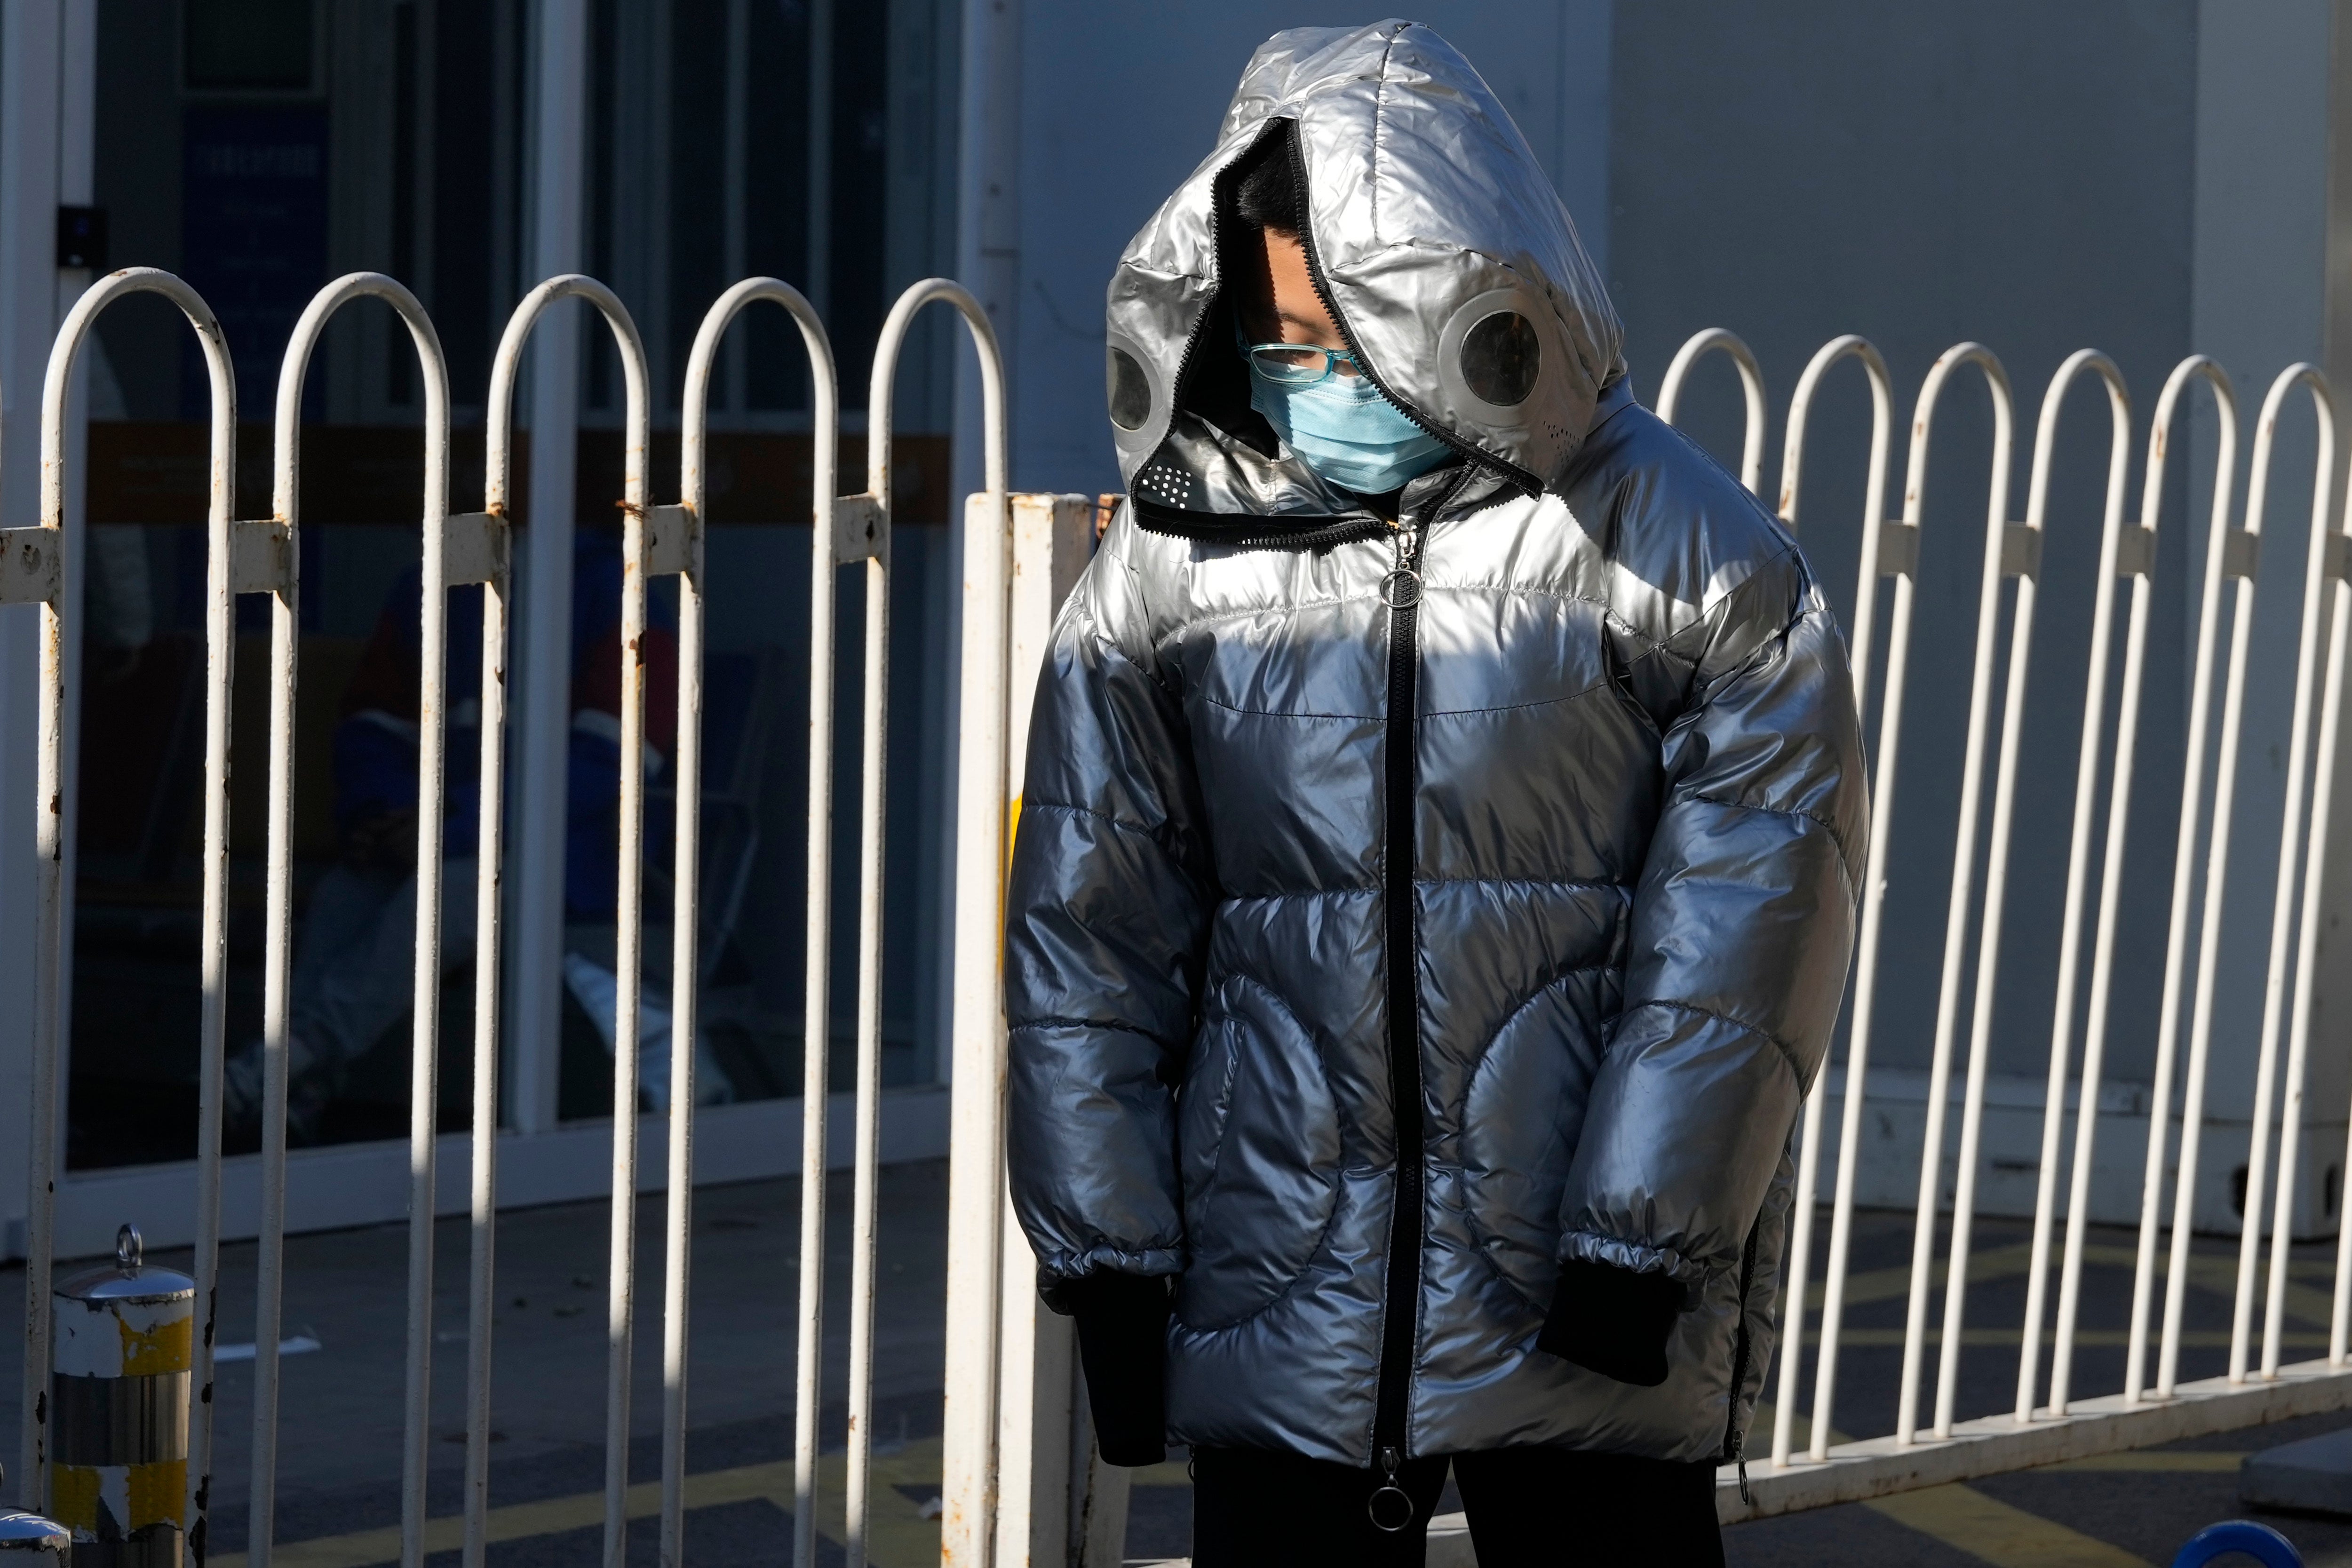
{"x":1249,"y":534}
{"x":1200,"y":322}
{"x":1734,"y":1440}
{"x":1249,"y":531}
{"x":1401,"y":590}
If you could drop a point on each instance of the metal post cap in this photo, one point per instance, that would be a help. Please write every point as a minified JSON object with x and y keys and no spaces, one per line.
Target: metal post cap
{"x":129,"y":1277}
{"x":22,"y":1531}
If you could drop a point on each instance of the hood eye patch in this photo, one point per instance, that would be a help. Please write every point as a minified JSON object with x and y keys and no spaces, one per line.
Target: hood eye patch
{"x":1129,"y":389}
{"x":1501,"y":358}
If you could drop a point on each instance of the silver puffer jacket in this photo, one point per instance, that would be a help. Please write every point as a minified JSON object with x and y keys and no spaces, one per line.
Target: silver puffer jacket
{"x":1541,"y":814}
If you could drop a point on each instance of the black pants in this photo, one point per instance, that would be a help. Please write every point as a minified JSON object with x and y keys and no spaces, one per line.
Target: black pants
{"x":1528,"y":1507}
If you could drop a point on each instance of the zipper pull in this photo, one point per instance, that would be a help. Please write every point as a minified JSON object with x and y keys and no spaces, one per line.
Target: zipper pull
{"x":1391,"y":1506}
{"x":1400,"y":589}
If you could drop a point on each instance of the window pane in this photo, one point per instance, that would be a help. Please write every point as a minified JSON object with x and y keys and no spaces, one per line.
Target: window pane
{"x":248,"y":44}
{"x":259,"y":150}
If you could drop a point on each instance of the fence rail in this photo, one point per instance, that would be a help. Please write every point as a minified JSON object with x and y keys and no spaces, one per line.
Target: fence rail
{"x":1015,"y":1441}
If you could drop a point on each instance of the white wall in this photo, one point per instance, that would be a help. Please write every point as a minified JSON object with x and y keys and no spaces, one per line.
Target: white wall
{"x":2011,"y":174}
{"x":2272,"y":285}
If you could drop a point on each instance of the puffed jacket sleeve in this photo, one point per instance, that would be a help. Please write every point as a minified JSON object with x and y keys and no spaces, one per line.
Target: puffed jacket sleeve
{"x":1742,"y":927}
{"x":1105,"y":926}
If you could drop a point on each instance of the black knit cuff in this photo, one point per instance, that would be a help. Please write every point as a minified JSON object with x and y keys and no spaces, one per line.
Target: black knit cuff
{"x":1612,"y":1320}
{"x":1123,"y":1345}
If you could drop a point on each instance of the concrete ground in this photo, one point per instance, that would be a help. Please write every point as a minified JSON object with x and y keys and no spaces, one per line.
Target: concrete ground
{"x":339,"y":1424}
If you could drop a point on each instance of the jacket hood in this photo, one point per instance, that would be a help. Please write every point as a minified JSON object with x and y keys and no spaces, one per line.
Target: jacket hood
{"x":1447,"y":256}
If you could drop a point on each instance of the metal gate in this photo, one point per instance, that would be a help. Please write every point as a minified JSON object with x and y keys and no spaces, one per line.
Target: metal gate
{"x":1021,"y":1481}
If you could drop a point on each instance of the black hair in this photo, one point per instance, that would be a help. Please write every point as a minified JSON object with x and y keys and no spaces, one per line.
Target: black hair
{"x":1265,"y":180}
{"x":1255,"y":192}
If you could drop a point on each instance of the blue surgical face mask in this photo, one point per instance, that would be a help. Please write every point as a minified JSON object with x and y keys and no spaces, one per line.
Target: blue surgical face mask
{"x":1343,"y":429}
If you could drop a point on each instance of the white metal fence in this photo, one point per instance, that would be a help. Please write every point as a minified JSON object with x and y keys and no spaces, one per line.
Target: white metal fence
{"x":260,"y":557}
{"x":1924,"y":1450}
{"x":1020,"y":1482}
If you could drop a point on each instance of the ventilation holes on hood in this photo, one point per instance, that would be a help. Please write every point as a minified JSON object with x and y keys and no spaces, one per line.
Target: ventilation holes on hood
{"x":1501,"y":356}
{"x":1130,"y":390}
{"x":1165,"y":483}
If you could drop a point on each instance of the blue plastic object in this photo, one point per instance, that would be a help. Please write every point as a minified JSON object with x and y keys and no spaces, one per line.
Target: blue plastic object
{"x":2258,"y":1542}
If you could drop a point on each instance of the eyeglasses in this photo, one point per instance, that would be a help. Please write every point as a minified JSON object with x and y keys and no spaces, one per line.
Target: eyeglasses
{"x":1301,"y":364}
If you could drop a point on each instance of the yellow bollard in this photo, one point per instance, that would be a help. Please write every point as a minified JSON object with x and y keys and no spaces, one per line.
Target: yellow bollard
{"x":123,"y":1347}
